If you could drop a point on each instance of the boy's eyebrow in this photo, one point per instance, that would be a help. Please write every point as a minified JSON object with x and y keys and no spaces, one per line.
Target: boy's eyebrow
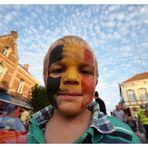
{"x":87,"y":65}
{"x":57,"y":63}
{"x":82,"y":64}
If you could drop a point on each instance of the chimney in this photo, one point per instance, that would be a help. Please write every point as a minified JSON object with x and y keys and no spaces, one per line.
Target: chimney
{"x":14,"y":34}
{"x":26,"y":66}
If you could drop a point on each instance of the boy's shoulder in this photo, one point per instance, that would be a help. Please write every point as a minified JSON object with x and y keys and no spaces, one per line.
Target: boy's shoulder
{"x":118,"y":123}
{"x":121,"y":129}
{"x":42,"y":115}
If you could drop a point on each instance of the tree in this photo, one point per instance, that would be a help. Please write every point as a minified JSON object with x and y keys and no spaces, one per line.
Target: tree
{"x":38,"y":98}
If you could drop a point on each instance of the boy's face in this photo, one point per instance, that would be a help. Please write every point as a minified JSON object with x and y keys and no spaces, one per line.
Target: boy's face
{"x":71,"y":79}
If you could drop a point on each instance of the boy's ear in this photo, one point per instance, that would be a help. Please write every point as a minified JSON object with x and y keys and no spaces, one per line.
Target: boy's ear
{"x":96,"y":81}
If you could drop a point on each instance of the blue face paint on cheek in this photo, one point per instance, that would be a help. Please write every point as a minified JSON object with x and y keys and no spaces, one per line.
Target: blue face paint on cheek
{"x":53,"y":85}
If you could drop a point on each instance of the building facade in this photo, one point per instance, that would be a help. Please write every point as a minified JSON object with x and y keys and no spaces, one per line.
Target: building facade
{"x":134,"y":92}
{"x":15,"y":80}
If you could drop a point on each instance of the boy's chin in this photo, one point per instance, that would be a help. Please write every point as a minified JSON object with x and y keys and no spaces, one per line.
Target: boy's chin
{"x":69,"y":111}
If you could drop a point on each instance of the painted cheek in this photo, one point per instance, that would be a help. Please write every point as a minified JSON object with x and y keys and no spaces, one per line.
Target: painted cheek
{"x":88,"y":86}
{"x":52,"y":89}
{"x":87,"y":83}
{"x":54,"y":83}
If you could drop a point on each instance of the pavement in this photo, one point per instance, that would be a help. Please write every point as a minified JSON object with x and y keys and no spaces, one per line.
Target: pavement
{"x":141,"y":137}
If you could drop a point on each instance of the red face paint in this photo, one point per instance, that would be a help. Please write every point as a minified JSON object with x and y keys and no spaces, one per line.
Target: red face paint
{"x":88,"y":57}
{"x":88,"y":86}
{"x":88,"y":83}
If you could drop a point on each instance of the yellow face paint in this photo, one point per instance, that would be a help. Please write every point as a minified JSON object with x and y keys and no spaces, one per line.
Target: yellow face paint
{"x":71,"y":59}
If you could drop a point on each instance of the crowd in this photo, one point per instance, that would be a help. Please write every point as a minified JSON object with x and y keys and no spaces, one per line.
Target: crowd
{"x":138,"y":122}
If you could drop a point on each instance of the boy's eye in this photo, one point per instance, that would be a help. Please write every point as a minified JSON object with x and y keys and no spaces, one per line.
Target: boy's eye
{"x":56,"y":71}
{"x":86,"y":71}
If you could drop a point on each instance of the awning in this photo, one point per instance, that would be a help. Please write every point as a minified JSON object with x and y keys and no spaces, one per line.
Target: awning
{"x":17,"y":101}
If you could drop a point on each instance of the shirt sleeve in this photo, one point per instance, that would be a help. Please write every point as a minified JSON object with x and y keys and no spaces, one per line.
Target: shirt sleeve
{"x":30,"y":139}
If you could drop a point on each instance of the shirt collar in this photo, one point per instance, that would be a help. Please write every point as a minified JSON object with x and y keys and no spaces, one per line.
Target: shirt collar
{"x":99,"y":120}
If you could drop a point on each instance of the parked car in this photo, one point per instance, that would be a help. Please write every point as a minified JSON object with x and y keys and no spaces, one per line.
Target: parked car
{"x":12,"y":130}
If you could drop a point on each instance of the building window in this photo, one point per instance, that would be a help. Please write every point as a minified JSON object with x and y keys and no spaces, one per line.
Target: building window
{"x":143,"y":94}
{"x":2,"y":70}
{"x":5,"y":51}
{"x":20,"y":86}
{"x":131,"y":95}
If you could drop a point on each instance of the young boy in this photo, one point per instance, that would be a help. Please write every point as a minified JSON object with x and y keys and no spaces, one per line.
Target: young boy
{"x":70,"y":75}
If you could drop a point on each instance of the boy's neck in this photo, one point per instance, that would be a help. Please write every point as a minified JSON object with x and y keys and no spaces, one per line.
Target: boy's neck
{"x":66,"y":129}
{"x":84,"y":115}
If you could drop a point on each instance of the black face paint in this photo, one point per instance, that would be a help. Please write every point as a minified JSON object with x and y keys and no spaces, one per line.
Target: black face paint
{"x":56,"y":54}
{"x":52,"y":88}
{"x":53,"y":84}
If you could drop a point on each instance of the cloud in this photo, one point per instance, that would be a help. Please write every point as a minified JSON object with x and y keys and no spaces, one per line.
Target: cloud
{"x":146,"y":21}
{"x":120,"y":16}
{"x":144,"y":10}
{"x":113,"y":8}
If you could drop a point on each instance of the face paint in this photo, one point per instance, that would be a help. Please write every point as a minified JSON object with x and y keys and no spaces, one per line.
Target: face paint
{"x":56,"y":54}
{"x":76,"y":53}
{"x":88,"y":56}
{"x":87,"y":88}
{"x":54,"y":83}
{"x":87,"y":83}
{"x":70,"y":83}
{"x":52,"y":88}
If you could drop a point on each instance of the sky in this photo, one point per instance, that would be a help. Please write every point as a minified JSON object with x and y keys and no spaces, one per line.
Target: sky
{"x":117,"y":33}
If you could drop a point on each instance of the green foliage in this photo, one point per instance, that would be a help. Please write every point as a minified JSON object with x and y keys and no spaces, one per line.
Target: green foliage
{"x":38,"y":98}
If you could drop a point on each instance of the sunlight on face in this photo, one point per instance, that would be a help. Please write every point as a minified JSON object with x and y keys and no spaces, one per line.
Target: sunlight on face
{"x":72,"y":78}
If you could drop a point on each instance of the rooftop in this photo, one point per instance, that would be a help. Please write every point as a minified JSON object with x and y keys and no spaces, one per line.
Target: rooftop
{"x":139,"y":76}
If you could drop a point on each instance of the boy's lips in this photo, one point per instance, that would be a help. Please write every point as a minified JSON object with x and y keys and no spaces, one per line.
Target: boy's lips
{"x":69,"y":95}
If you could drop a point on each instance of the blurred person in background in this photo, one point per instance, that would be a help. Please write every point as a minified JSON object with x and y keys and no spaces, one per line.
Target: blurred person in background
{"x":141,"y":111}
{"x":101,"y":103}
{"x":119,"y":113}
{"x":143,"y":117}
{"x":24,"y":116}
{"x":129,"y":119}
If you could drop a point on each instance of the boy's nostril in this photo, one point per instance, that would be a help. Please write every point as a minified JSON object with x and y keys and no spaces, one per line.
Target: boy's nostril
{"x":71,"y":82}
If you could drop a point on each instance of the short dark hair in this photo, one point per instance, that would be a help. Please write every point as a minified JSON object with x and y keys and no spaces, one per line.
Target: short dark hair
{"x":96,"y":94}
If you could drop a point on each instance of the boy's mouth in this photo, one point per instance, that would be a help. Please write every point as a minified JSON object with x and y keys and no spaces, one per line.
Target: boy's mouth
{"x":69,"y":95}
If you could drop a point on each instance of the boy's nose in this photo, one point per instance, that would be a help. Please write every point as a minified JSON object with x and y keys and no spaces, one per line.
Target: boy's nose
{"x":71,"y":77}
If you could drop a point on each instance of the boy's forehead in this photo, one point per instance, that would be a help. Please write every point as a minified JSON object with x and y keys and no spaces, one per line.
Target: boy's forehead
{"x":72,"y":50}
